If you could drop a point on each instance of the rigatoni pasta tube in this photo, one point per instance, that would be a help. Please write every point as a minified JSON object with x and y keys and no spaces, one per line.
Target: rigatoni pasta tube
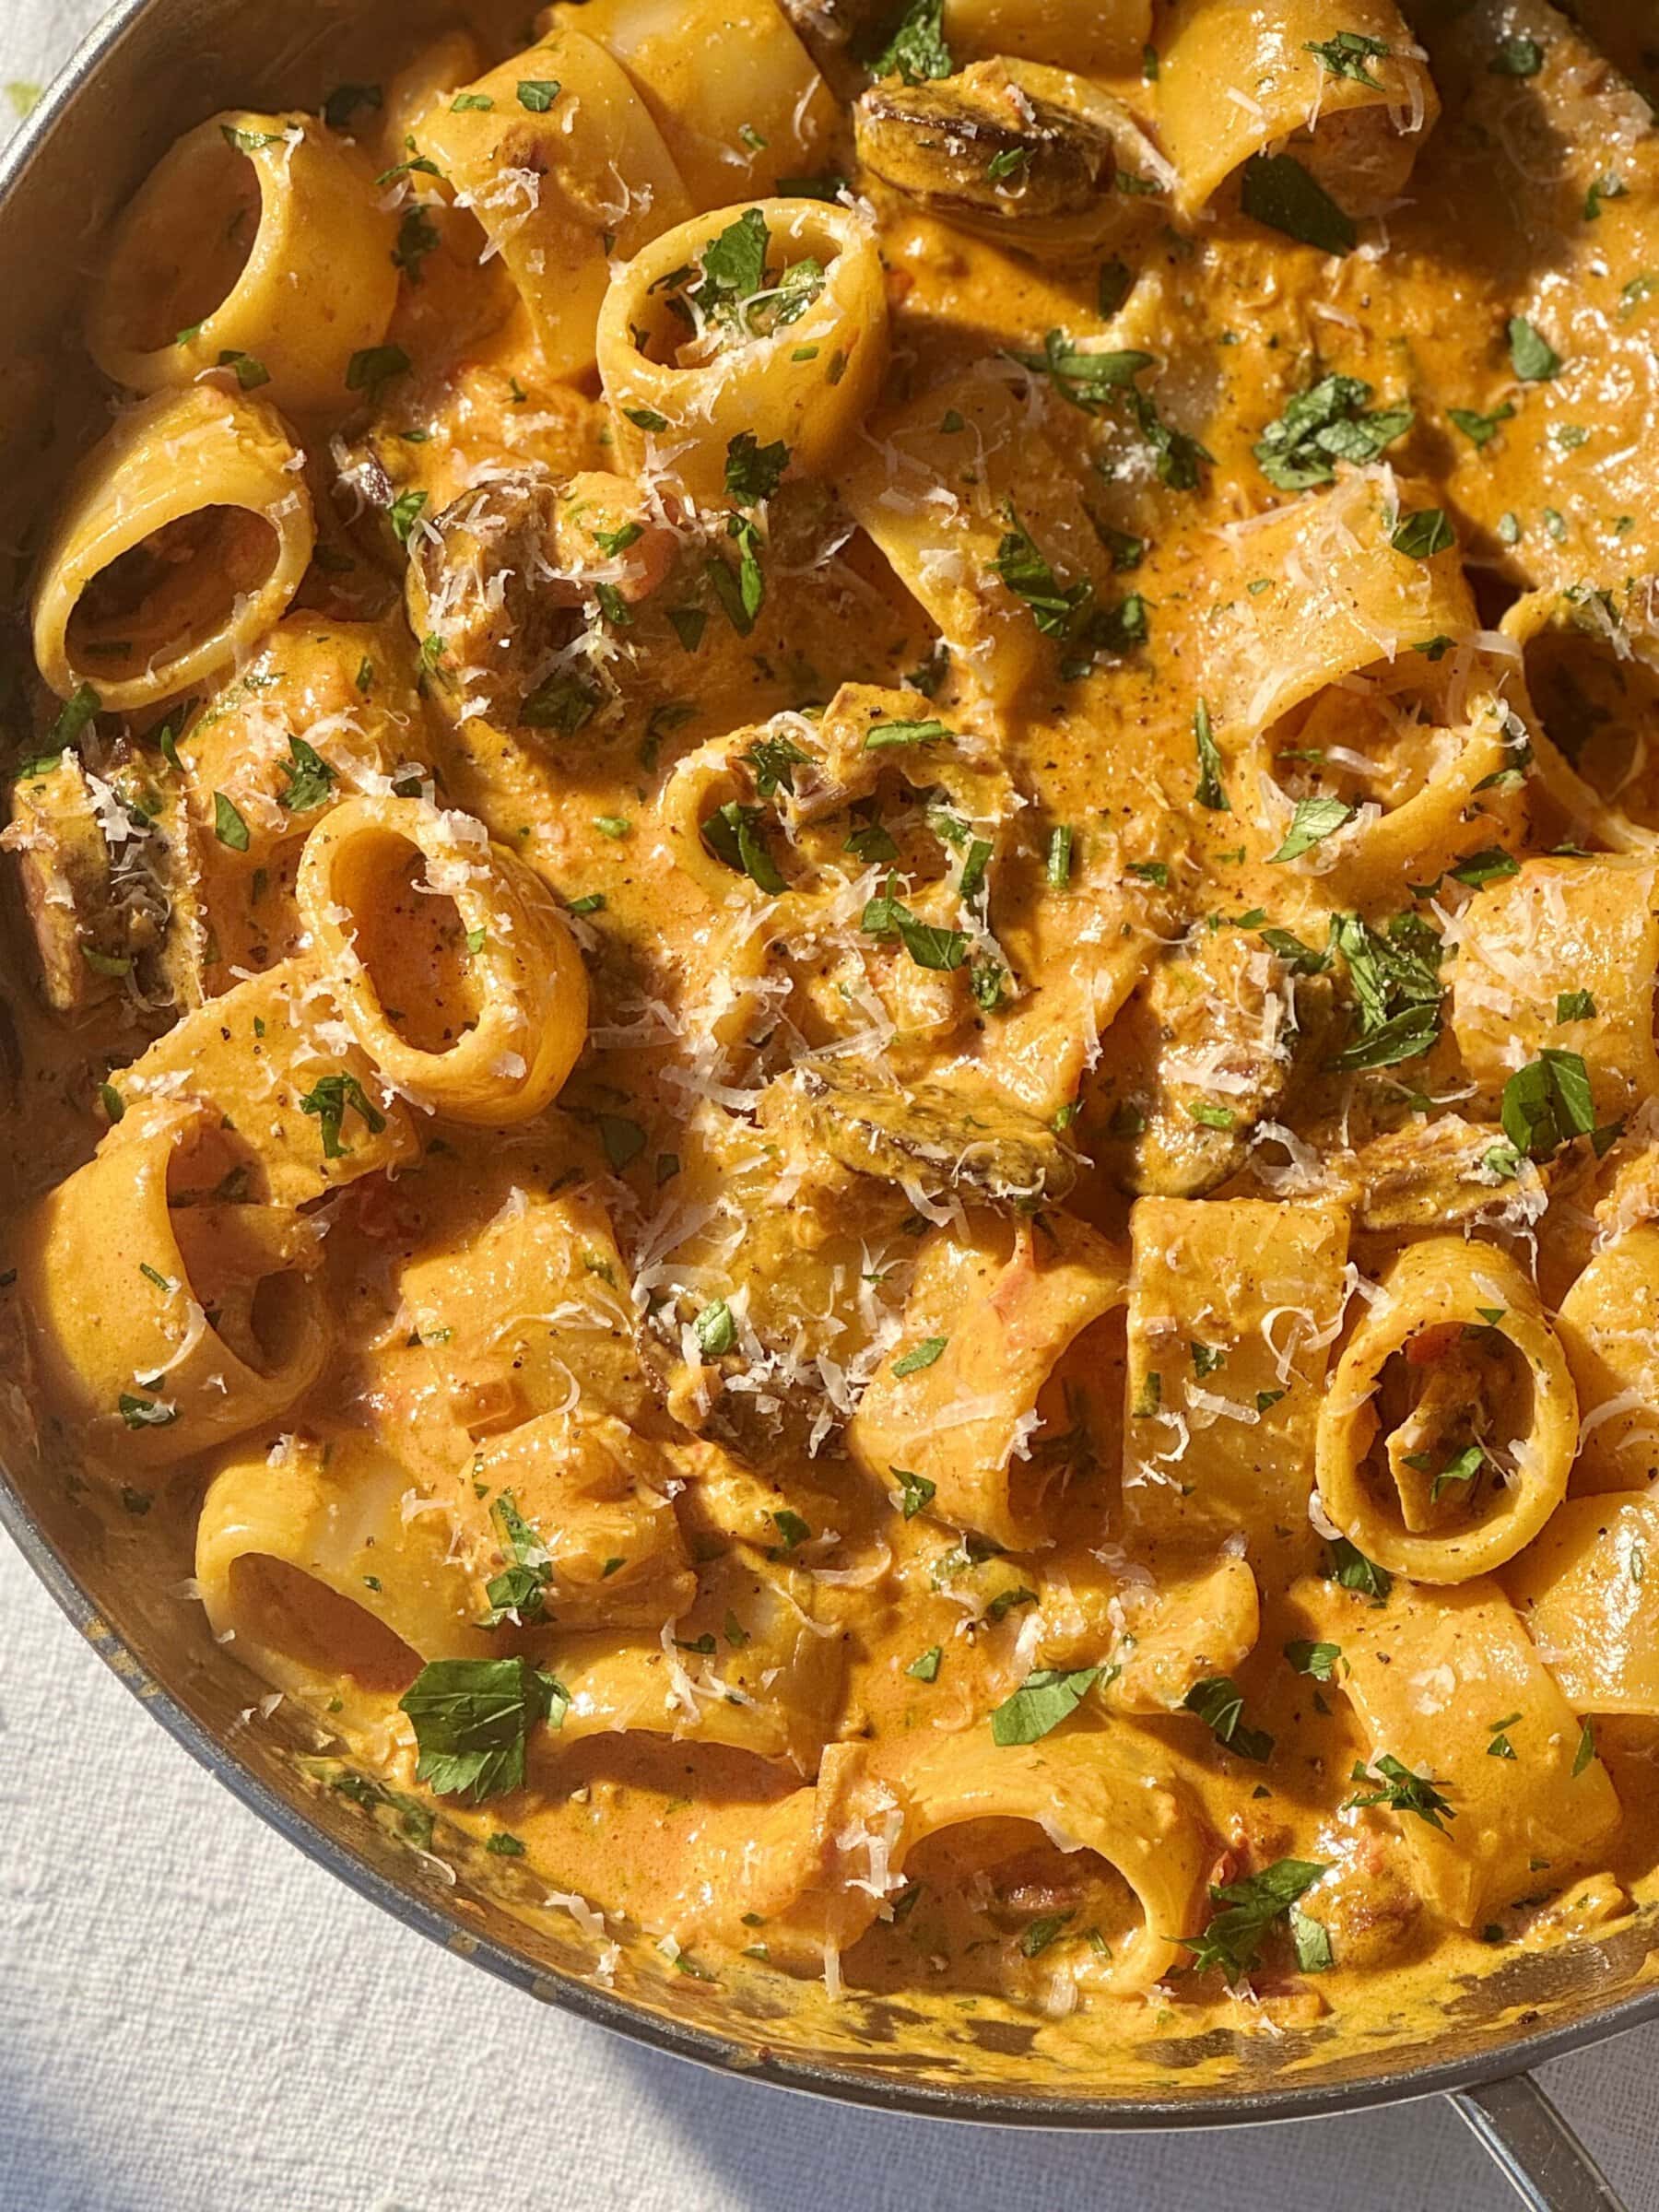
{"x":1106,"y":1790}
{"x":1316,"y":682}
{"x":181,"y":539}
{"x":1236,"y":80}
{"x":449,"y":959}
{"x":1447,"y":1436}
{"x":797,"y":357}
{"x":328,"y":1570}
{"x":729,"y":85}
{"x":990,"y":1320}
{"x":122,"y":1265}
{"x":557,"y":157}
{"x":209,"y":265}
{"x":1433,"y":1678}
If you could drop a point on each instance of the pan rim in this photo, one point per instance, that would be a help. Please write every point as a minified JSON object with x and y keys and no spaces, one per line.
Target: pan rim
{"x":847,"y":2085}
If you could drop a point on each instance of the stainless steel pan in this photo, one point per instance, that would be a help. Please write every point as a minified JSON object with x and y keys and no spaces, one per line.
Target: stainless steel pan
{"x":152,"y":68}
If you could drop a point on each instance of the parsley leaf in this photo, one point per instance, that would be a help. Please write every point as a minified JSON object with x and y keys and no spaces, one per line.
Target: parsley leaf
{"x":1401,"y":1791}
{"x":1315,"y":820}
{"x":1325,"y":424}
{"x":309,"y":778}
{"x":1353,"y":1570}
{"x":733,"y":834}
{"x":1547,"y":1103}
{"x":1480,"y":429}
{"x":1533,"y":357}
{"x":471,"y":1719}
{"x":328,"y":1099}
{"x":1350,"y":54}
{"x":1423,"y":534}
{"x":915,"y":1491}
{"x":917,"y":52}
{"x":1220,"y":1704}
{"x":1232,"y":1939}
{"x":919,"y":1356}
{"x":753,"y":471}
{"x":1040,"y":1705}
{"x":228,"y":824}
{"x":1319,"y":1660}
{"x":1277,"y":191}
{"x":1210,"y":792}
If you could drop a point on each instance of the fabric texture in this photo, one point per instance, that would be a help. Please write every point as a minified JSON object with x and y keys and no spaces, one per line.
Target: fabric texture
{"x":199,"y":2019}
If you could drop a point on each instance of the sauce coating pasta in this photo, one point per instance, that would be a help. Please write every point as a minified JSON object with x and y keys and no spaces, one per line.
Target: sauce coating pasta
{"x":836,"y":923}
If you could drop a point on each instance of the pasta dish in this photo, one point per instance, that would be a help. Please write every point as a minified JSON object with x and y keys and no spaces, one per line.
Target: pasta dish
{"x":834,"y":862}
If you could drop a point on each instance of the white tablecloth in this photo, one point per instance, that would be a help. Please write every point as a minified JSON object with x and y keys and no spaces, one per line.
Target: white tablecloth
{"x":195,"y":2018}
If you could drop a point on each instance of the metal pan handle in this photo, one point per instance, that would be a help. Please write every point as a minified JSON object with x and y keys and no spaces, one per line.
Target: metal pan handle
{"x":1544,"y":2162}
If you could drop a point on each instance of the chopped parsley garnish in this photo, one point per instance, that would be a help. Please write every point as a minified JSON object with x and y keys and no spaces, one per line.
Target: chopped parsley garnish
{"x":518,"y":1591}
{"x":374,"y":366}
{"x":1547,"y":1103}
{"x":1350,"y":1566}
{"x":80,"y":707}
{"x":742,"y":591}
{"x":1220,"y":1704}
{"x":1319,"y":1660}
{"x":564,"y":703}
{"x":753,"y":471}
{"x":345,"y":100}
{"x":733,"y":833}
{"x":417,"y":237}
{"x":146,"y":1413}
{"x":715,"y":1329}
{"x":249,"y":372}
{"x":228,"y":824}
{"x":329,"y":1098}
{"x":1574,"y":1005}
{"x":919,"y":1356}
{"x":472,"y":1721}
{"x":1232,"y":1939}
{"x":404,"y":512}
{"x":1210,"y":792}
{"x":1480,"y":429}
{"x":926,"y":1667}
{"x":1401,"y":1791}
{"x":1423,"y":534}
{"x":1396,"y":986}
{"x":1490,"y":867}
{"x":881,"y":735}
{"x":1533,"y":357}
{"x":1277,"y":191}
{"x":1517,"y":57}
{"x":1313,"y":821}
{"x":1327,"y":423}
{"x":1040,"y":1703}
{"x":916,"y":51}
{"x":537,"y":94}
{"x":309,"y":778}
{"x":942,"y":951}
{"x":915,"y":1491}
{"x":1350,"y":54}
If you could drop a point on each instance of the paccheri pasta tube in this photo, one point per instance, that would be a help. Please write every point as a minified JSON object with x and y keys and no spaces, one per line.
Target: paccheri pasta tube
{"x":1448,"y":1432}
{"x":210,"y":267}
{"x":183,"y":537}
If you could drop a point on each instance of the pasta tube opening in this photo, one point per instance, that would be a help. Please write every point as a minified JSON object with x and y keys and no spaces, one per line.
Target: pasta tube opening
{"x":208,"y":268}
{"x":768,"y":321}
{"x":452,"y":963}
{"x":171,"y":1313}
{"x":1448,"y":1434}
{"x":182,"y":538}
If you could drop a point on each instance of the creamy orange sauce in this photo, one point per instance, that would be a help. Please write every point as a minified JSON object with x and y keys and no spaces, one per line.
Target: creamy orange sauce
{"x":889,"y":1394}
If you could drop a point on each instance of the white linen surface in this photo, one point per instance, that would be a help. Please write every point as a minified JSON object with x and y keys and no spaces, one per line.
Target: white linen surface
{"x":197,"y":2018}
